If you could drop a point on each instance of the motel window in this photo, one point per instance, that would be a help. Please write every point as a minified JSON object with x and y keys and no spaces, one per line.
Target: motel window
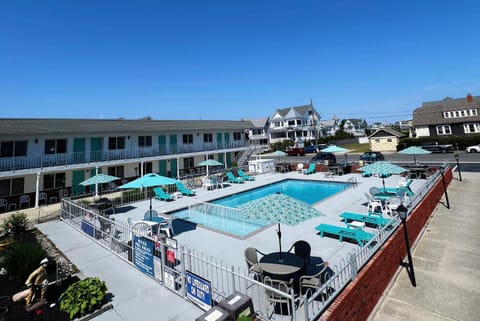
{"x":444,"y":130}
{"x":117,"y":171}
{"x":13,"y":148}
{"x":207,"y":137}
{"x":237,"y":136}
{"x":187,"y":139}
{"x":377,"y":140}
{"x":52,"y":181}
{"x":115,"y":143}
{"x":12,"y":186}
{"x":291,"y":122}
{"x":389,"y":140}
{"x":188,"y":162}
{"x":278,"y":124}
{"x":144,"y":141}
{"x":55,"y":146}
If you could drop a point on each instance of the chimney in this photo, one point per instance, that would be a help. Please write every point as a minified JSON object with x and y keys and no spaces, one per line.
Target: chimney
{"x":469,"y":98}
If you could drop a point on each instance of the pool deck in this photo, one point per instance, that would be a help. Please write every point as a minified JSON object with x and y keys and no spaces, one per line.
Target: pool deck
{"x":445,"y":255}
{"x":230,"y":249}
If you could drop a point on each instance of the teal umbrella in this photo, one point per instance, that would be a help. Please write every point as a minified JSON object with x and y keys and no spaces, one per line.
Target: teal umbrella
{"x":383,"y":169}
{"x":98,"y":179}
{"x":336,"y":149}
{"x":149,"y":180}
{"x":210,"y":162}
{"x":414,"y":150}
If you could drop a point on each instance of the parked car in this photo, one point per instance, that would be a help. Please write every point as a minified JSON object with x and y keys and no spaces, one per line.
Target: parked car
{"x":435,"y":147}
{"x":370,"y":157}
{"x":295,"y":151}
{"x":473,"y":149}
{"x":322,"y":157}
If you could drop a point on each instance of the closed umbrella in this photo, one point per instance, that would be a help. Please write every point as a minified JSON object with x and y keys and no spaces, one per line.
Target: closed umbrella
{"x":383,"y":169}
{"x":98,"y":179}
{"x":414,"y":150}
{"x":149,"y":180}
{"x":210,"y":162}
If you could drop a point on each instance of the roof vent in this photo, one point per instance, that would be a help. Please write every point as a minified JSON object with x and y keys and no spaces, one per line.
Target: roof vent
{"x":469,"y":98}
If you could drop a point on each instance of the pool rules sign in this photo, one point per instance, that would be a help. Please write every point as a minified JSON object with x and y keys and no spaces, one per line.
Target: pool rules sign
{"x":199,"y":290}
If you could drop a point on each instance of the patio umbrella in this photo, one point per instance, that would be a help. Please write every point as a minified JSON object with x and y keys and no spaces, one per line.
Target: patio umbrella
{"x":414,"y":150}
{"x":210,"y":162}
{"x":336,"y":149}
{"x":149,"y":180}
{"x":98,"y":179}
{"x":383,"y":168}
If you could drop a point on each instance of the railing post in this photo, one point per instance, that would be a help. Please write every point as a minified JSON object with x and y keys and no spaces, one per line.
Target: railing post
{"x":352,"y":258}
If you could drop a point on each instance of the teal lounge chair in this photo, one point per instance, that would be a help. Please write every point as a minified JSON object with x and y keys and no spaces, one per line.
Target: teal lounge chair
{"x":233,"y":179}
{"x":245,"y":176}
{"x":182,"y":189}
{"x":160,"y":194}
{"x":396,"y":190}
{"x":376,"y":220}
{"x":310,"y":169}
{"x":358,"y":235}
{"x":367,"y":174}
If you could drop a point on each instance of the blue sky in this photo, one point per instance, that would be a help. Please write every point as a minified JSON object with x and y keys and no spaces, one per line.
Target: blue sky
{"x":377,"y":60}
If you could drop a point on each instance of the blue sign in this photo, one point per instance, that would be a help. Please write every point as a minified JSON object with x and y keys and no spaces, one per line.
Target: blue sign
{"x":199,"y":290}
{"x":143,"y":255}
{"x":88,"y":228}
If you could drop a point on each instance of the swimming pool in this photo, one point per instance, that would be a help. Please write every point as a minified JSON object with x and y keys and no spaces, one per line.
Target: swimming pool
{"x":241,"y":214}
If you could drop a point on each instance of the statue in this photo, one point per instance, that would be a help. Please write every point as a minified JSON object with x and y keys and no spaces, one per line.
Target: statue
{"x":37,"y":280}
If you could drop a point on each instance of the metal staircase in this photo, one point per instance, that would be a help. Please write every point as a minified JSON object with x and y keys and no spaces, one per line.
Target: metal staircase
{"x":242,"y":158}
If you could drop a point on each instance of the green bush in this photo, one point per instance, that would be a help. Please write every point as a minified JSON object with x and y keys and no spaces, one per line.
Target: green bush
{"x":244,"y":318}
{"x":15,"y":224}
{"x":83,"y":297}
{"x":22,"y":258}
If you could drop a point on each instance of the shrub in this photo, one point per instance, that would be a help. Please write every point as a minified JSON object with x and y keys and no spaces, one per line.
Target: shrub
{"x":244,"y":318}
{"x":15,"y":224}
{"x":21,"y":258}
{"x":83,"y":297}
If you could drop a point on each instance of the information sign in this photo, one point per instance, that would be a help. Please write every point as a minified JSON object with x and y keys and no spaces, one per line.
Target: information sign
{"x":143,"y":255}
{"x":199,"y":290}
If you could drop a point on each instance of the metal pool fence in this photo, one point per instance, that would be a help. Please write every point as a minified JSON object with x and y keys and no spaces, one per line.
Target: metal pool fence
{"x":174,"y":264}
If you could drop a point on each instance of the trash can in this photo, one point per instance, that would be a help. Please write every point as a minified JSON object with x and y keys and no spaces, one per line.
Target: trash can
{"x":238,"y":304}
{"x":215,"y":314}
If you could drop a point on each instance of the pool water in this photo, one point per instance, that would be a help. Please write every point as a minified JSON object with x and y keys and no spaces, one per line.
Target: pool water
{"x":309,"y":192}
{"x":233,"y":214}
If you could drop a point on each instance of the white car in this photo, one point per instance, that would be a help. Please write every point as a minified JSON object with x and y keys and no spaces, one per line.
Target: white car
{"x":473,"y":149}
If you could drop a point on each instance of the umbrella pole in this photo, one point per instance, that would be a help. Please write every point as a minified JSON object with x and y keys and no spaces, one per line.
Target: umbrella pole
{"x":150,"y":194}
{"x":279,"y":233}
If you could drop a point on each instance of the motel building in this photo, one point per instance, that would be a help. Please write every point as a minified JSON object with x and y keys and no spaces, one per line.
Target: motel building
{"x":43,"y":160}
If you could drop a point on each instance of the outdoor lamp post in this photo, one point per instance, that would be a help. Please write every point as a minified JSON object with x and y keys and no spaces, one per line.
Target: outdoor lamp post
{"x":402,"y":213}
{"x":458,"y":166}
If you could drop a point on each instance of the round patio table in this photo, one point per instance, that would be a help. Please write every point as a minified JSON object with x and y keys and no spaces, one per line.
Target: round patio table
{"x":288,"y":265}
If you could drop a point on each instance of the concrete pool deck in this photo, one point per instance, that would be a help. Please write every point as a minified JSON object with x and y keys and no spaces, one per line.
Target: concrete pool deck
{"x":139,"y":297}
{"x":230,"y":249}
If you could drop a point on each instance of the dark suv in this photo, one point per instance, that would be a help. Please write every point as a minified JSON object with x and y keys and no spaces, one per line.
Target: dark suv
{"x":322,"y":156}
{"x":370,"y":157}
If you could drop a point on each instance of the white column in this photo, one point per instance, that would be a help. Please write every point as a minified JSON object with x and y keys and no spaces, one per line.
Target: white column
{"x":178,"y":167}
{"x":96,"y":185}
{"x":37,"y":193}
{"x":225,"y":160}
{"x":141,"y":169}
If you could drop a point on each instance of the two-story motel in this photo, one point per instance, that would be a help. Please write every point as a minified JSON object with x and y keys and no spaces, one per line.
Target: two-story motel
{"x":52,"y":156}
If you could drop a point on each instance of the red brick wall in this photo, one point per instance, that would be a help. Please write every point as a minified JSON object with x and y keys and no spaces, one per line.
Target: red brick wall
{"x":359,"y":298}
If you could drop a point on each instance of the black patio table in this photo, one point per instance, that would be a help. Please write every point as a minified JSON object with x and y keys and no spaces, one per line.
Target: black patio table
{"x":288,"y":265}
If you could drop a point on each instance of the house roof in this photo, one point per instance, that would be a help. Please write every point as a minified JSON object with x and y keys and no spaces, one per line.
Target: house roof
{"x":298,"y":110}
{"x":258,"y":122}
{"x":28,"y":126}
{"x":431,"y":113}
{"x":386,"y":132}
{"x":357,"y":122}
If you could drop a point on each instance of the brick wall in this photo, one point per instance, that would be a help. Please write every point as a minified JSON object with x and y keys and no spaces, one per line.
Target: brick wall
{"x":359,"y":298}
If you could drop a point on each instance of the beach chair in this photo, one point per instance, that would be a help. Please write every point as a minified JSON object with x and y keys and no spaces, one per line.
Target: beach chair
{"x":251,"y":258}
{"x":401,"y":187}
{"x":310,"y":169}
{"x":357,"y":235}
{"x":376,"y":220}
{"x":182,"y":189}
{"x":245,"y":176}
{"x":233,"y":179}
{"x":160,"y":194}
